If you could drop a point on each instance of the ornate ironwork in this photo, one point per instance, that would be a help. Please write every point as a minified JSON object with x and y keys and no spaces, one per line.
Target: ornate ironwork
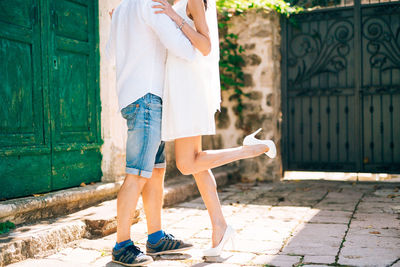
{"x":326,"y":54}
{"x":340,"y":89}
{"x":383,"y":45}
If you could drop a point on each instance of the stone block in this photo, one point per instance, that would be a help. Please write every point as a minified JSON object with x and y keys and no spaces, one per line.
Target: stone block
{"x":248,"y":80}
{"x":327,"y":216}
{"x":277,"y":260}
{"x":45,"y":263}
{"x":359,"y":256}
{"x":252,"y":60}
{"x":264,"y":234}
{"x":319,"y":259}
{"x":389,"y":232}
{"x":77,"y":255}
{"x":31,"y":209}
{"x":222,"y":119}
{"x":372,"y":240}
{"x":101,"y":220}
{"x":231,"y":258}
{"x":316,"y":239}
{"x":376,"y":220}
{"x":102,"y":245}
{"x":38,"y":240}
{"x":256,"y":246}
{"x":378,"y":207}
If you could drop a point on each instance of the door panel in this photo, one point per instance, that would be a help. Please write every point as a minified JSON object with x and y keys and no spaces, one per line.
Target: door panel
{"x":72,"y":20}
{"x":76,"y":154}
{"x":17,"y":12}
{"x":25,"y":155}
{"x":74,"y":107}
{"x":319,"y":94}
{"x":381,"y":87}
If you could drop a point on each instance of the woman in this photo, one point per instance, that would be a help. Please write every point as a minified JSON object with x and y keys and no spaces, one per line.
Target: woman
{"x":191,"y":98}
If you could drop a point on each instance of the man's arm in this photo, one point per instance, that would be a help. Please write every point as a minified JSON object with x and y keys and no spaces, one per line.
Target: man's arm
{"x":171,"y":37}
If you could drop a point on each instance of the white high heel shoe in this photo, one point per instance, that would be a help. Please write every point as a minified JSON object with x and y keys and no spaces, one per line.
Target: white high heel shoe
{"x":215,"y":252}
{"x":252,"y":140}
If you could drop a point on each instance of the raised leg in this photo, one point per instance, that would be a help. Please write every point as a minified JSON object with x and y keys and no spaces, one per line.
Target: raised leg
{"x":191,"y":159}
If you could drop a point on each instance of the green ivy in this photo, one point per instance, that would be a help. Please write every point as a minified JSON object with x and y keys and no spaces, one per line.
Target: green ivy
{"x":239,"y":6}
{"x":231,"y":60}
{"x":5,"y":227}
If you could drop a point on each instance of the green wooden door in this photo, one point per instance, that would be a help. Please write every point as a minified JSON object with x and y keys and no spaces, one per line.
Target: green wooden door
{"x":49,"y":96}
{"x":76,"y":157}
{"x":25,"y":165}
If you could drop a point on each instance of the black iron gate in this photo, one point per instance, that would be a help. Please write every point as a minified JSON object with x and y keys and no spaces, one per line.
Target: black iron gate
{"x":341,"y":88}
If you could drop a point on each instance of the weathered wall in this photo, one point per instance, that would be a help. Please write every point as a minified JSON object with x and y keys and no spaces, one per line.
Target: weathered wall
{"x":259,"y":34}
{"x":113,"y":127}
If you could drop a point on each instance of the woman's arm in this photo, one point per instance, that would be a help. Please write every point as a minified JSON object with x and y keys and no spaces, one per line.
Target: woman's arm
{"x":200,"y":37}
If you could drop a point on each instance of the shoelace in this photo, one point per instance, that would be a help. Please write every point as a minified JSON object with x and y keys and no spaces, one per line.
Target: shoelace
{"x":169,"y":237}
{"x":136,"y":250}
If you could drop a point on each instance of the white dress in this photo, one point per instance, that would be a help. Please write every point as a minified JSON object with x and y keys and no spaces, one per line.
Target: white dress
{"x":191,"y":92}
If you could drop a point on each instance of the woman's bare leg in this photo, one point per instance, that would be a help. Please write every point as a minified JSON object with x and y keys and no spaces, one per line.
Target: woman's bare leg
{"x":190,"y":159}
{"x":208,"y":189}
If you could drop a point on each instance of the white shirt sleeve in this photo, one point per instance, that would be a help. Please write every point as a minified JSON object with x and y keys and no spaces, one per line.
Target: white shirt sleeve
{"x":170,"y":35}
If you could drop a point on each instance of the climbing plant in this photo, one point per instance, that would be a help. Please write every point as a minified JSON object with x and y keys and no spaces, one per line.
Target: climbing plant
{"x":231,"y":60}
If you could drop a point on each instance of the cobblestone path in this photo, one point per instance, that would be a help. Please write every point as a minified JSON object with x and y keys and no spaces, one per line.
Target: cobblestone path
{"x":298,"y":223}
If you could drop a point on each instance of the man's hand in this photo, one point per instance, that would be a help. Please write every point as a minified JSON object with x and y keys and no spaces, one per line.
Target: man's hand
{"x":111,"y":13}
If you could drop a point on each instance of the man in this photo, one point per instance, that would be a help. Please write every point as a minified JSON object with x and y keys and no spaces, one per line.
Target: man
{"x":138,"y":42}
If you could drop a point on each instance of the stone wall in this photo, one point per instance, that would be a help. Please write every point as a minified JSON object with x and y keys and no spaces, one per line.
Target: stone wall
{"x":259,"y":35}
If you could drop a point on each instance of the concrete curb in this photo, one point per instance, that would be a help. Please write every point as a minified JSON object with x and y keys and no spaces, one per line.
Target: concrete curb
{"x":46,"y":237}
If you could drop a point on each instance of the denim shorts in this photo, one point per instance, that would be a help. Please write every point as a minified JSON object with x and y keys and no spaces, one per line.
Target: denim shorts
{"x":144,"y":148}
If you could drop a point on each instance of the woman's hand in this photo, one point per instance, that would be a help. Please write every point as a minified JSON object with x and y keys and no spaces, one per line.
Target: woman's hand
{"x":167,"y":9}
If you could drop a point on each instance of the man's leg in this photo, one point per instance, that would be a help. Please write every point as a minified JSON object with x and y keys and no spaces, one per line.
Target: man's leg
{"x":128,"y":197}
{"x":158,"y":241}
{"x":152,"y":196}
{"x":125,"y":252}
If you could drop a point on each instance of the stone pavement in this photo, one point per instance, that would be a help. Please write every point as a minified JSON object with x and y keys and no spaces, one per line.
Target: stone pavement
{"x":297,"y":223}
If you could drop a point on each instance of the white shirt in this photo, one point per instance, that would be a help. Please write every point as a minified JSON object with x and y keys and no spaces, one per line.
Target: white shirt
{"x":137,"y":44}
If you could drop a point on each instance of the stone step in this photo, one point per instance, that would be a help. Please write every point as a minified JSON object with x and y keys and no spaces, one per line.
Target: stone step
{"x":35,"y":208}
{"x":48,"y":236}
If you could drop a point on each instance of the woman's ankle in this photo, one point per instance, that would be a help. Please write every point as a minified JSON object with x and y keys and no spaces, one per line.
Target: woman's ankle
{"x":222,"y":225}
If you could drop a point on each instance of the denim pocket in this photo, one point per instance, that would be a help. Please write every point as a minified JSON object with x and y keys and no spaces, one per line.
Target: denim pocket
{"x":129,"y":113}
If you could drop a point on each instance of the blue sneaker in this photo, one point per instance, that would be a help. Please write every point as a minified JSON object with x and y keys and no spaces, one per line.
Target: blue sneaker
{"x":130,"y":256}
{"x":167,"y":245}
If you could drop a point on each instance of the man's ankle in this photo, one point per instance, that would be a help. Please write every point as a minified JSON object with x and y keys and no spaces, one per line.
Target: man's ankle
{"x":122,"y":244}
{"x":155,"y":237}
